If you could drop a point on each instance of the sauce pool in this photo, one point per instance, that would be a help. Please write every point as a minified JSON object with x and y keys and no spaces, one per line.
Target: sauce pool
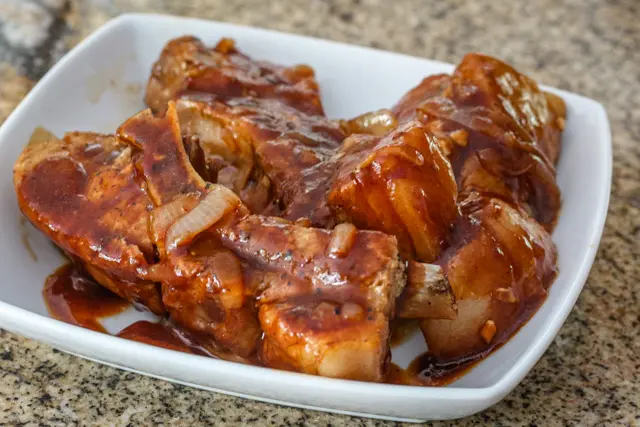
{"x":73,"y":297}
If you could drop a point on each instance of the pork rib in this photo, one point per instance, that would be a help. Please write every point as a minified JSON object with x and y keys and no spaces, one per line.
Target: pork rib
{"x":85,"y":194}
{"x":501,"y":131}
{"x":186,"y":65}
{"x":321,"y":313}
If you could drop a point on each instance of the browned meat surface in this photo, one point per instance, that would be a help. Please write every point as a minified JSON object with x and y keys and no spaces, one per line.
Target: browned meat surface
{"x":187,"y":65}
{"x":289,"y":151}
{"x":325,"y":298}
{"x":321,"y":314}
{"x":290,"y":163}
{"x":502,"y":132}
{"x":399,"y":183}
{"x":85,"y":194}
{"x":203,"y":284}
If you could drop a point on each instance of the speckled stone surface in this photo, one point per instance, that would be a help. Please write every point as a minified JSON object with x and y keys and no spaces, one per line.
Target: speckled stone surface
{"x":591,"y":373}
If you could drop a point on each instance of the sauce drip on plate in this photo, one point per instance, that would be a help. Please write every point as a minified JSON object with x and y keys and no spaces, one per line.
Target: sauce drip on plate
{"x":75,"y":298}
{"x":426,"y":371}
{"x":72,"y":296}
{"x":161,"y":334}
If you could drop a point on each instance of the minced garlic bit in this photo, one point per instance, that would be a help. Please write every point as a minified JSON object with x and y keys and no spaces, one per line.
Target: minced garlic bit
{"x":505,"y":295}
{"x":488,"y":331}
{"x":342,"y":239}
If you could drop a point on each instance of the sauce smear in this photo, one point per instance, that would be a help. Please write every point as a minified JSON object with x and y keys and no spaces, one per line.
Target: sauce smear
{"x":73,"y":297}
{"x":161,"y":334}
{"x":425,"y":370}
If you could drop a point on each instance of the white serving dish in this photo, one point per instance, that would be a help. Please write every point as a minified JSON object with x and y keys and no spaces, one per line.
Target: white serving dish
{"x":101,"y":82}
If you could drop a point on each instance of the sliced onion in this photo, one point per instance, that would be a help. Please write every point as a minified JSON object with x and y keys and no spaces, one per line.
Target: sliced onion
{"x":164,"y":216}
{"x":303,"y":222}
{"x":342,"y":239}
{"x":229,"y":278}
{"x":216,"y":204}
{"x":40,"y":135}
{"x":376,"y":123}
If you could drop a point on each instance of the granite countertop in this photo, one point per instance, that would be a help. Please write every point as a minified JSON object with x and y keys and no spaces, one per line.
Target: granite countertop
{"x":591,"y":373}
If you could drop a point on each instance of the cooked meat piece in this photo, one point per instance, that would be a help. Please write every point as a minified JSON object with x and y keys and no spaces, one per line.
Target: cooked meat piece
{"x":399,"y":183}
{"x":499,"y":266}
{"x":203,"y":286}
{"x":325,"y":298}
{"x":502,"y":134}
{"x":186,"y":65}
{"x":496,"y":122}
{"x":290,"y":163}
{"x":428,"y":294}
{"x":289,"y":148}
{"x":321,"y":314}
{"x":85,"y":194}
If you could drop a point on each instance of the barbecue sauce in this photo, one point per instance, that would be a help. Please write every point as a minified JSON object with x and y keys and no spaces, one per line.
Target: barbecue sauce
{"x":426,"y":371}
{"x":161,"y":334}
{"x":72,"y":296}
{"x":75,"y":298}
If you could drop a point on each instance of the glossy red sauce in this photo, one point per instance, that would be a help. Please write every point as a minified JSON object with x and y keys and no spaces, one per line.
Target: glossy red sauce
{"x":161,"y":334}
{"x":73,"y":297}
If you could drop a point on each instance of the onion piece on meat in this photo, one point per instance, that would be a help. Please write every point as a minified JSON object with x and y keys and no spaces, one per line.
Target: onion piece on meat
{"x":376,"y":123}
{"x":216,"y":204}
{"x":165,"y":216}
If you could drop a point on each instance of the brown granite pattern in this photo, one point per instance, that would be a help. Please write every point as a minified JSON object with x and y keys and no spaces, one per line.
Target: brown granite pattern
{"x":591,"y":373}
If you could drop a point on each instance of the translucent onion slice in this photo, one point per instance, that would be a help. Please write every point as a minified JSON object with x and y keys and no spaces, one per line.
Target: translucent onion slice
{"x":216,"y":204}
{"x":164,"y":216}
{"x":376,"y":123}
{"x":229,"y":279}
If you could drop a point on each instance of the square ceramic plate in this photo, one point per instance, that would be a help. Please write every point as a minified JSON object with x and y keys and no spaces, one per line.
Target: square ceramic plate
{"x":100,"y":83}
